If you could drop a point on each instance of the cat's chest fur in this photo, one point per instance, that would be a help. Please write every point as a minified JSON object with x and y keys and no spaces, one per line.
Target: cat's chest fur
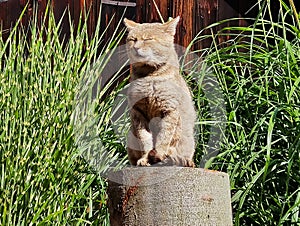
{"x":154,"y":96}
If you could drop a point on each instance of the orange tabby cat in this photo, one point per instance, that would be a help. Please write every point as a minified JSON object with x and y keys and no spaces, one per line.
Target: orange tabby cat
{"x":161,"y":108}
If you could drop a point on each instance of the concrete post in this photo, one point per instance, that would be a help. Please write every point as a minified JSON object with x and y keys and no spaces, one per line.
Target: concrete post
{"x":169,"y":196}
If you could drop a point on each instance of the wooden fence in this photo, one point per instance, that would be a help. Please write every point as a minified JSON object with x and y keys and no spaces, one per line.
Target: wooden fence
{"x":195,"y":14}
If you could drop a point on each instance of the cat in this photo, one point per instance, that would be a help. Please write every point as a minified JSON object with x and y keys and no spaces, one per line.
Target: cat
{"x":160,"y":103}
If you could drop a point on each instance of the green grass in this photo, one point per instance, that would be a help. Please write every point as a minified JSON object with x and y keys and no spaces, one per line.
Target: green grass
{"x":258,"y":71}
{"x":44,"y":179}
{"x":54,"y":129}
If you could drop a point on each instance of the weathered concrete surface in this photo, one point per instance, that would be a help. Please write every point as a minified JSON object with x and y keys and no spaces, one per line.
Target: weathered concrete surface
{"x":169,"y":196}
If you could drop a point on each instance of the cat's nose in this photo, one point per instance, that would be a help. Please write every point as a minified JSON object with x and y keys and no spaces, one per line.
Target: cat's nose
{"x":137,"y":45}
{"x":136,"y":48}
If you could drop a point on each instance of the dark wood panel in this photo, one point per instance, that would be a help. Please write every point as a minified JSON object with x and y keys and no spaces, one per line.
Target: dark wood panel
{"x":183,"y":9}
{"x":3,"y":19}
{"x":112,"y":15}
{"x":146,"y":11}
{"x":61,"y":14}
{"x":205,"y":13}
{"x":9,"y":14}
{"x":195,"y":14}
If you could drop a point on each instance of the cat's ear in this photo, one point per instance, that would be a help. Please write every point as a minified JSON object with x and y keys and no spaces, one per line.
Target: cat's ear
{"x":130,"y":24}
{"x":170,"y":26}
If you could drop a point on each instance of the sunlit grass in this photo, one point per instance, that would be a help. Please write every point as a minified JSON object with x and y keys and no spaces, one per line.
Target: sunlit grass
{"x":43,"y":178}
{"x":258,"y":71}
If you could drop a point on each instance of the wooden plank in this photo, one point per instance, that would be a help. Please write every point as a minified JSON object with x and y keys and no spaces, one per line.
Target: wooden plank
{"x":3,"y":20}
{"x":195,"y":14}
{"x":184,"y":9}
{"x":60,"y":13}
{"x":146,"y":11}
{"x":206,"y":13}
{"x":89,"y":10}
{"x":226,"y":11}
{"x":156,"y":10}
{"x":27,"y":14}
{"x":13,"y":12}
{"x":111,"y":16}
{"x":42,"y":5}
{"x":77,"y":12}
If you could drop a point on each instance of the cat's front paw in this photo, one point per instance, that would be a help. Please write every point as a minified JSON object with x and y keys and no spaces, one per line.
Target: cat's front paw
{"x":154,"y":157}
{"x":143,"y":162}
{"x":178,"y":161}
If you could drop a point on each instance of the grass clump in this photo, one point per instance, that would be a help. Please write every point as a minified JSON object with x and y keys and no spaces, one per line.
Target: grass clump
{"x":44,"y":180}
{"x":258,"y":72}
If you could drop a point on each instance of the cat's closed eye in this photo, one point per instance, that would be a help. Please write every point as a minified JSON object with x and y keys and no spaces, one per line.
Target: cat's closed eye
{"x":131,"y":39}
{"x":147,"y":39}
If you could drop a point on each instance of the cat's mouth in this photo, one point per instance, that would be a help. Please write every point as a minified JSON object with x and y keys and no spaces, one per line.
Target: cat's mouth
{"x":139,"y":58}
{"x":138,"y":53}
{"x":145,"y":58}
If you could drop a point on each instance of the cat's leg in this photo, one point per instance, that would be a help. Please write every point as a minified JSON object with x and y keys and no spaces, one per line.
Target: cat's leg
{"x":172,"y":160}
{"x":133,"y":149}
{"x":186,"y":147}
{"x":170,"y":146}
{"x":167,"y":138}
{"x":136,"y":156}
{"x":173,"y":141}
{"x":177,"y":160}
{"x":183,"y":156}
{"x":141,"y":135}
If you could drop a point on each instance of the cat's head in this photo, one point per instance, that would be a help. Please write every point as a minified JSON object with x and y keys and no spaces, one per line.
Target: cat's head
{"x":151,"y":43}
